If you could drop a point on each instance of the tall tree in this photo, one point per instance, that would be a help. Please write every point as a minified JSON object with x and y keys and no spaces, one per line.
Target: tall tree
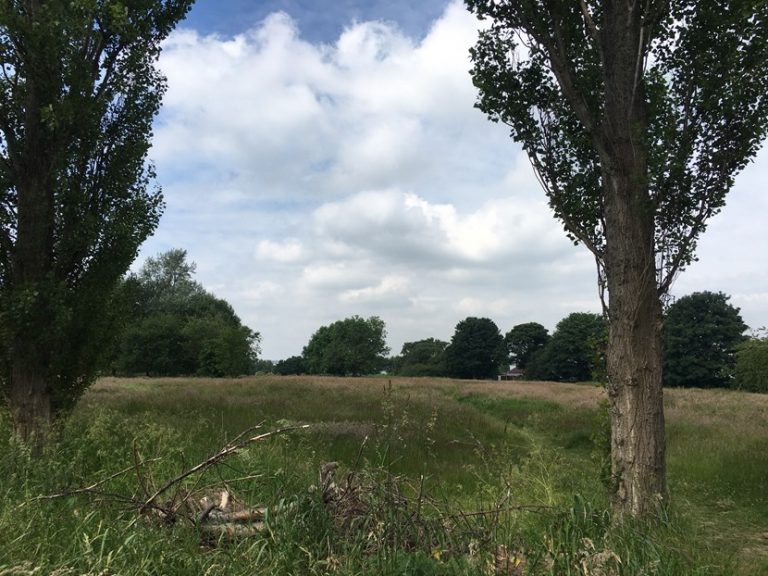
{"x":701,"y":333}
{"x":423,"y":358}
{"x":636,"y":117}
{"x":523,"y":341}
{"x":476,"y":349}
{"x":78,"y":92}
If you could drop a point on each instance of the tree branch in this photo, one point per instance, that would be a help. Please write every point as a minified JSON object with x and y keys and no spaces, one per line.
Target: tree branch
{"x":228,"y":450}
{"x":590,"y":23}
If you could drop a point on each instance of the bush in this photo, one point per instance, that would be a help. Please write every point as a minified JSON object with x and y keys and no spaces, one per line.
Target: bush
{"x":752,"y":366}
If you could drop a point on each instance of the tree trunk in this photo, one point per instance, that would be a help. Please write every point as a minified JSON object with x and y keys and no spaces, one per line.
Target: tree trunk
{"x":634,"y":383}
{"x":32,"y":259}
{"x":30,"y":403}
{"x":634,"y":352}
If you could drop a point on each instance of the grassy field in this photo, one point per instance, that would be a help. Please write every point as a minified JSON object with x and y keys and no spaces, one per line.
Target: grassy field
{"x":448,"y":477}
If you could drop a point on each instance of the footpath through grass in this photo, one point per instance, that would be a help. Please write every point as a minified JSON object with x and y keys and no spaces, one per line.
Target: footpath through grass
{"x":451,"y":477}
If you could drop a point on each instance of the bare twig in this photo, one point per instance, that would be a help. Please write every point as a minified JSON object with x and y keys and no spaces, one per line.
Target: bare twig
{"x":93,"y":488}
{"x":136,"y":464}
{"x":228,"y":450}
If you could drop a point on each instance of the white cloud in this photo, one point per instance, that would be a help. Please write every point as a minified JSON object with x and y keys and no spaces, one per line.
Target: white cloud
{"x":290,"y":117}
{"x":405,"y":225}
{"x":312,"y":182}
{"x":261,"y":291}
{"x":334,"y":276}
{"x":388,"y":287}
{"x":288,"y":251}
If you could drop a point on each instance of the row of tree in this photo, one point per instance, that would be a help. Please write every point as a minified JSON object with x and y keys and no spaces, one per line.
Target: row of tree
{"x":705,"y":346}
{"x":166,"y":324}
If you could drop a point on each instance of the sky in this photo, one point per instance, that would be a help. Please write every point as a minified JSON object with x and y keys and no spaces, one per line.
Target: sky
{"x":323,"y":159}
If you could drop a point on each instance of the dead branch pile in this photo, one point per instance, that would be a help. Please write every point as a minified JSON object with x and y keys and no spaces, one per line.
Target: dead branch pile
{"x":217,"y":513}
{"x":370,"y":507}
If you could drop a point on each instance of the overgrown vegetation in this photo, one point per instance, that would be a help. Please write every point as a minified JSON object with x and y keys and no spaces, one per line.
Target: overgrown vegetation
{"x":451,"y":477}
{"x":752,"y":365}
{"x":353,"y":346}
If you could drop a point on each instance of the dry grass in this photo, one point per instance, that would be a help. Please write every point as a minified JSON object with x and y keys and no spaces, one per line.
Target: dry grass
{"x":740,"y":412}
{"x":570,"y":395}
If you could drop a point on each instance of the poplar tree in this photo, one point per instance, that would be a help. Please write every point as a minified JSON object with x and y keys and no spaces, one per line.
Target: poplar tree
{"x":636,"y":116}
{"x":78,"y":92}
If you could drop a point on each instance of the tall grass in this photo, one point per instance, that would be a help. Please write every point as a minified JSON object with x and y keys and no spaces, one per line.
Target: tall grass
{"x":451,"y":478}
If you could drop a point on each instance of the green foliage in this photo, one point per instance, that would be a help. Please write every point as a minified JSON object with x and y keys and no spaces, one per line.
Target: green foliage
{"x":636,"y":117}
{"x":78,"y":95}
{"x":476,"y":349}
{"x":703,"y":76}
{"x":172,"y":326}
{"x":570,"y":355}
{"x":353,"y":346}
{"x":523,"y":341}
{"x":422,"y":358}
{"x":291,"y":366}
{"x":601,"y":443}
{"x":262,"y":366}
{"x":752,"y":366}
{"x":702,"y":331}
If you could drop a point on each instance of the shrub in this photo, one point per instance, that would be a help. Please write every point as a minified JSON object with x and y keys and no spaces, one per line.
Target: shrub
{"x":752,"y":366}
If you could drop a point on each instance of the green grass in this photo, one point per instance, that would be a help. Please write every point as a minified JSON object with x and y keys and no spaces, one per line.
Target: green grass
{"x":454,"y":477}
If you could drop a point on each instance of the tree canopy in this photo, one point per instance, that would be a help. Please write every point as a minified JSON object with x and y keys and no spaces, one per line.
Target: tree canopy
{"x":752,"y":365}
{"x":291,"y":366}
{"x":172,"y":326}
{"x":702,"y":332}
{"x":523,"y":341}
{"x":78,"y":93}
{"x":422,"y":358}
{"x":573,"y":352}
{"x":350,"y":347}
{"x":476,"y":349}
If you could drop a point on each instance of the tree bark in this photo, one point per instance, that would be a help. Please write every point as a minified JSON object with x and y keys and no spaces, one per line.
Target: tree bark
{"x":634,"y":368}
{"x":32,"y":258}
{"x":634,"y":355}
{"x":30,"y":403}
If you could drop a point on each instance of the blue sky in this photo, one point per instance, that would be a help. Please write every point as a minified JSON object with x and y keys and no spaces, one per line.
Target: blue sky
{"x":320,"y":21}
{"x":324,"y":159}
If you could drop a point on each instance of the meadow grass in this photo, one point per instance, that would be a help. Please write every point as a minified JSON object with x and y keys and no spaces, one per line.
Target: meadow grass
{"x":458,"y":477}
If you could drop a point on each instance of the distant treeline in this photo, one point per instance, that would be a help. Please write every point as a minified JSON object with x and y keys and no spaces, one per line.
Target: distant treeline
{"x":167,"y":324}
{"x":705,"y":346}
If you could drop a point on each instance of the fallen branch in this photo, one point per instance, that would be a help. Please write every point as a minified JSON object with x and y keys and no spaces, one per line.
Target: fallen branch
{"x":228,"y":450}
